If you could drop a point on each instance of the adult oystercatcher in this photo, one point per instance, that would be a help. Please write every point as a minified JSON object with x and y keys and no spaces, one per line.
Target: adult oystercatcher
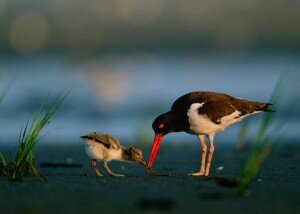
{"x":101,"y":146}
{"x":202,"y":114}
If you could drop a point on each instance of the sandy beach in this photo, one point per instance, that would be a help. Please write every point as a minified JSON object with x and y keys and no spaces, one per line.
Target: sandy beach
{"x":76,"y":189}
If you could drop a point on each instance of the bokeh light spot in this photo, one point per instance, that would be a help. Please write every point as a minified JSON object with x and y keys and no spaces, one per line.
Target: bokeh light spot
{"x":28,"y":32}
{"x":111,"y":85}
{"x":139,"y":13}
{"x":2,"y":5}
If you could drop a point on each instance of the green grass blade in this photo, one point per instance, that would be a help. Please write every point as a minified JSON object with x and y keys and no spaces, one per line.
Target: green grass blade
{"x":4,"y":91}
{"x":243,"y":135}
{"x":2,"y":161}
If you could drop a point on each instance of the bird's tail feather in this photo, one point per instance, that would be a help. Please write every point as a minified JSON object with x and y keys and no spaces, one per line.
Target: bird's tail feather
{"x":266,"y":108}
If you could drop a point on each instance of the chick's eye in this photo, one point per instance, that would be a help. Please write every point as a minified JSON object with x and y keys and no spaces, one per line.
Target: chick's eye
{"x":161,"y":126}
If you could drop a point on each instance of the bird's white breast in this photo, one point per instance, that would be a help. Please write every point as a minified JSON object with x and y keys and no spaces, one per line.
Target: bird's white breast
{"x":114,"y":154}
{"x":94,"y":150}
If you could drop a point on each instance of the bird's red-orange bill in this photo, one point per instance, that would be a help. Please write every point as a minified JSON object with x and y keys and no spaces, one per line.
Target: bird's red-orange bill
{"x":155,"y":146}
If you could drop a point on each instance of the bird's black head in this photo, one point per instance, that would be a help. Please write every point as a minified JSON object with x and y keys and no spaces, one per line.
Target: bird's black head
{"x":161,"y":124}
{"x":168,"y":122}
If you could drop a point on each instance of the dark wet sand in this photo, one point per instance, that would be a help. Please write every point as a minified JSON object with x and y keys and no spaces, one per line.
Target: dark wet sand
{"x":77,"y":189}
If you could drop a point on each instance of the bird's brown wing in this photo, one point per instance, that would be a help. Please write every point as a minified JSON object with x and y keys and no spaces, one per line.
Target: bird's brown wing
{"x":183,"y":103}
{"x":217,"y":109}
{"x":114,"y":142}
{"x":107,"y":140}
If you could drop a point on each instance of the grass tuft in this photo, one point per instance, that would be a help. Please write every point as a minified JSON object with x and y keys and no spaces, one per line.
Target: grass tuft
{"x":265,"y":141}
{"x":23,"y":164}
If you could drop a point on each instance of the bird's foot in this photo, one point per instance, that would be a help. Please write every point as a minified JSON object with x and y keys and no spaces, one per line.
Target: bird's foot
{"x":197,"y":173}
{"x":117,"y":175}
{"x":207,"y":172}
{"x":98,"y":173}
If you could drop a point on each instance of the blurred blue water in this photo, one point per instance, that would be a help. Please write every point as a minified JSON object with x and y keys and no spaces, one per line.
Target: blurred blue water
{"x":122,"y":93}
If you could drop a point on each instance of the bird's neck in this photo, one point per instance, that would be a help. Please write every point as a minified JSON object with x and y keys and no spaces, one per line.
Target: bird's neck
{"x":125,"y":155}
{"x":177,"y":122}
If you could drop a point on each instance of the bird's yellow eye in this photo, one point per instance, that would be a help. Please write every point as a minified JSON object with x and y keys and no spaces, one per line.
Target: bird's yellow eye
{"x":161,"y":126}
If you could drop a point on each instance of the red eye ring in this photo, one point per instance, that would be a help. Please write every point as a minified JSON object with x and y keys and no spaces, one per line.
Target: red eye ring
{"x":161,"y":126}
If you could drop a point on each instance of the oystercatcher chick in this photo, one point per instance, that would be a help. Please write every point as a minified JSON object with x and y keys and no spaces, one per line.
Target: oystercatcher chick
{"x":101,"y":146}
{"x":202,"y":114}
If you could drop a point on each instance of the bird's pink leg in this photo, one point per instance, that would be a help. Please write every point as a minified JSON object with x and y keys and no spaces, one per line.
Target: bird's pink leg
{"x":203,"y":158}
{"x":210,"y":154}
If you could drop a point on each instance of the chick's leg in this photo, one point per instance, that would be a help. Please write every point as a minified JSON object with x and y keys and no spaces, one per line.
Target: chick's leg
{"x":94,"y":165}
{"x":104,"y":164}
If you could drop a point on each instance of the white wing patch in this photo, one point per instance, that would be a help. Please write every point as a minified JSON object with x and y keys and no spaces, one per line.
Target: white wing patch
{"x":230,"y":119}
{"x":234,"y":118}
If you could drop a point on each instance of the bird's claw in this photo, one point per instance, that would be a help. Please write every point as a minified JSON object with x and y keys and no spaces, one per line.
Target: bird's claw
{"x":198,"y":174}
{"x":154,"y":174}
{"x":98,"y":173}
{"x":118,"y":175}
